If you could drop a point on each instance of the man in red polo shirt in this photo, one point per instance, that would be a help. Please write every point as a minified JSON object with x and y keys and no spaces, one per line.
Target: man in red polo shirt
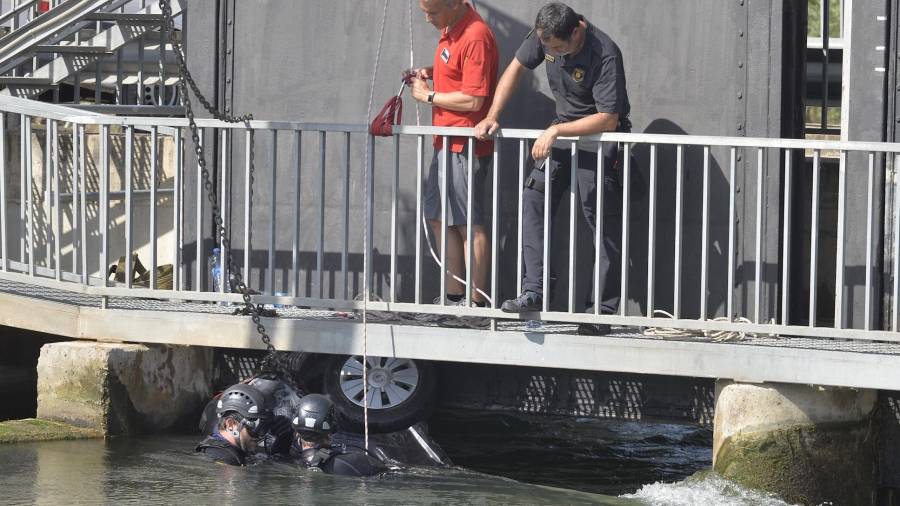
{"x":464,"y":76}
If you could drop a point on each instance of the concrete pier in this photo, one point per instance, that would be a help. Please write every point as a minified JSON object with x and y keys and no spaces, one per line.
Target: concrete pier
{"x":807,"y":444}
{"x":123,"y":388}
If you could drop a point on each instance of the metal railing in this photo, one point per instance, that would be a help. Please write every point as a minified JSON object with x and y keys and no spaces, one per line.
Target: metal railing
{"x":72,"y":217}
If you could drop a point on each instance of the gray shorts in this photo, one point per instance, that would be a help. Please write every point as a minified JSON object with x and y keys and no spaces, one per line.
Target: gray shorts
{"x":458,"y":188}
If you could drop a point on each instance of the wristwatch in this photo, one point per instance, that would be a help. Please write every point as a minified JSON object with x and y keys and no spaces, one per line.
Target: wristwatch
{"x":431,"y":97}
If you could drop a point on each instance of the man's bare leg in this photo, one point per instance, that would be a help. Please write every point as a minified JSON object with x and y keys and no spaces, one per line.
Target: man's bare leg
{"x":480,"y":259}
{"x":455,"y":257}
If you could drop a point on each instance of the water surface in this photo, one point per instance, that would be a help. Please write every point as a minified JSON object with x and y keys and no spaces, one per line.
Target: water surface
{"x":500,"y":459}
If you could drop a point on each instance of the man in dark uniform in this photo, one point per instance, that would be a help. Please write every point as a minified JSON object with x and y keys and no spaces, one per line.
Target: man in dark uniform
{"x":313,"y":427}
{"x":587,"y":77}
{"x":243,"y":412}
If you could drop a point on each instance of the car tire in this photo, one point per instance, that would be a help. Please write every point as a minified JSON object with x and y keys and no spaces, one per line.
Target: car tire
{"x":402,"y":392}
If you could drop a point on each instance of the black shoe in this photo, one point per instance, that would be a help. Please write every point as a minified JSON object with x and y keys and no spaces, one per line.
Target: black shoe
{"x":590,"y":329}
{"x":528,"y":301}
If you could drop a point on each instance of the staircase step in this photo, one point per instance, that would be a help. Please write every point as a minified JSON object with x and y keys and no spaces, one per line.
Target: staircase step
{"x":126,"y":18}
{"x":72,"y":49}
{"x":26,"y":82}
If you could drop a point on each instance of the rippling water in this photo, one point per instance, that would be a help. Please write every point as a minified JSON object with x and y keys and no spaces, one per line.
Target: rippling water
{"x":500,"y":459}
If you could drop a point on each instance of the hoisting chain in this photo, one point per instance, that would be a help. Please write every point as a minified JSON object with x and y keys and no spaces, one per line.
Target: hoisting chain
{"x":273,"y":362}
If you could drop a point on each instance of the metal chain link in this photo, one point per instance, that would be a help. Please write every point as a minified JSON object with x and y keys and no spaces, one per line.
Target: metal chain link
{"x":273,"y":362}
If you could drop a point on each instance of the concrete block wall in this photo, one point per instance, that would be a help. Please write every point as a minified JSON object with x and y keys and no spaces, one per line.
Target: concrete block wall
{"x":123,"y":388}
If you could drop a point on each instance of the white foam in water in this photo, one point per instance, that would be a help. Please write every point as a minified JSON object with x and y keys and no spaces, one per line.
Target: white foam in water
{"x":703,"y":488}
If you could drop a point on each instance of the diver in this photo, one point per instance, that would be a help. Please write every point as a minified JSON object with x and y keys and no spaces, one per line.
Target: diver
{"x":279,"y":402}
{"x":243,"y":413}
{"x":282,"y":399}
{"x":313,"y":427}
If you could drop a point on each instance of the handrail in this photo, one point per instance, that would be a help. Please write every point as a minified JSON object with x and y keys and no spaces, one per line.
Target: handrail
{"x":79,"y":116}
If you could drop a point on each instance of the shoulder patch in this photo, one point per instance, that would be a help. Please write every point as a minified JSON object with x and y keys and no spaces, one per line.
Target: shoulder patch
{"x":445,"y":55}
{"x":549,"y":57}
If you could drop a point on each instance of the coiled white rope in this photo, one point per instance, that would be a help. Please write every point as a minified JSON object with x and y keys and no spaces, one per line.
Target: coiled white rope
{"x":714,"y":335}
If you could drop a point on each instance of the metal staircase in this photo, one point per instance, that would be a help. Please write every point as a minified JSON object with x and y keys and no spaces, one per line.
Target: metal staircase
{"x":112,"y":56}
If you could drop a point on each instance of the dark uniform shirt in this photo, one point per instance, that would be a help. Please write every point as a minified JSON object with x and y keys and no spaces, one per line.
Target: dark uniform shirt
{"x":219,"y":449}
{"x":591,"y":81}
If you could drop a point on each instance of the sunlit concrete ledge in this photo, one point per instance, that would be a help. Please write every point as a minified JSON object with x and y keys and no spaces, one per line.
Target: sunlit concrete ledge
{"x":632,"y":353}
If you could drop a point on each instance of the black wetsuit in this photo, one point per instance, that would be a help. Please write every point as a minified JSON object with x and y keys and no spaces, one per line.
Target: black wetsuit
{"x":219,"y":449}
{"x":340,"y":460}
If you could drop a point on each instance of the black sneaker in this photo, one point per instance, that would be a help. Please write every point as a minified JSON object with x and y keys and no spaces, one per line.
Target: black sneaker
{"x":528,"y":301}
{"x":593,"y":329}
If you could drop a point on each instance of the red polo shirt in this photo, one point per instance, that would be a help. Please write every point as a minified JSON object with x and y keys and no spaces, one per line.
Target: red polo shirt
{"x":466,"y":60}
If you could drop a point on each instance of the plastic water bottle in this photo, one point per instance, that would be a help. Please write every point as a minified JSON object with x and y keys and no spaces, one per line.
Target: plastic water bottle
{"x":215,"y":270}
{"x":534,"y":325}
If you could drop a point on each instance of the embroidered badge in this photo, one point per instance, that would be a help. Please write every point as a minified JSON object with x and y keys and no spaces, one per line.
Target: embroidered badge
{"x":445,"y":55}
{"x":578,"y":75}
{"x":550,"y":58}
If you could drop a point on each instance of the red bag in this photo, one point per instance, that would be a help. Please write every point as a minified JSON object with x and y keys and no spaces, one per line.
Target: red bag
{"x":391,"y":114}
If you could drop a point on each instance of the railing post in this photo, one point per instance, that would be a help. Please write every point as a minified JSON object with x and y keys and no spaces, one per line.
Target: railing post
{"x":248,"y":204}
{"x":651,"y":234}
{"x":599,"y":232}
{"x":224,"y":208}
{"x":470,"y":281}
{"x":445,"y":163}
{"x":895,"y":306}
{"x":82,"y":210}
{"x":519,"y":228}
{"x":573,"y":231}
{"x":345,"y":267}
{"x":626,"y":193}
{"x":495,"y":229}
{"x":4,"y":249}
{"x":200,"y":266}
{"x":75,"y":185}
{"x":786,"y":241}
{"x":731,"y":234}
{"x":545,"y":252}
{"x":704,"y":238}
{"x":178,"y":241}
{"x":370,"y":208}
{"x":57,"y":212}
{"x":29,"y":195}
{"x":679,"y":227}
{"x":273,"y":189}
{"x":295,"y":245}
{"x":129,"y":203}
{"x":839,"y":259}
{"x":814,"y":239}
{"x":870,"y":220}
{"x":758,"y":271}
{"x":395,"y":183}
{"x":154,"y":169}
{"x":104,"y":204}
{"x":23,"y":192}
{"x":420,"y":168}
{"x":320,"y":242}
